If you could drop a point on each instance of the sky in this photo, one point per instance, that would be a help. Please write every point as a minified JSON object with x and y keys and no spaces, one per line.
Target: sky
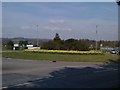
{"x":69,"y":19}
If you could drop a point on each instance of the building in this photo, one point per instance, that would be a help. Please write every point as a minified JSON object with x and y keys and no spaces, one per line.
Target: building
{"x":31,"y":47}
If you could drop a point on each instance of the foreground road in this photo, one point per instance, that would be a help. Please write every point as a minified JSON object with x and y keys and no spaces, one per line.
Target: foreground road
{"x":48,"y":74}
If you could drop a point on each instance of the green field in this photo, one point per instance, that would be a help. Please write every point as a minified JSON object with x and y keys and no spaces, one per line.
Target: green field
{"x":60,"y":57}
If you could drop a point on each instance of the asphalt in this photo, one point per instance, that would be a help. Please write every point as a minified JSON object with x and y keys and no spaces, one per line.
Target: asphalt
{"x":18,"y":73}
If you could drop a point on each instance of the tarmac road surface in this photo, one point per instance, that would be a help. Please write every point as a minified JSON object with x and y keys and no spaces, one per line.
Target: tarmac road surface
{"x":47,"y":74}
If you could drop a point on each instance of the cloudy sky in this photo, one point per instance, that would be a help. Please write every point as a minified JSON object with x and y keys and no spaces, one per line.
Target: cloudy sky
{"x":71,"y":20}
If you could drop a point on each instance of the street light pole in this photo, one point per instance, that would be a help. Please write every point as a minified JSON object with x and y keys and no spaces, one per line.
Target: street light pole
{"x":118,"y":3}
{"x":37,"y":35}
{"x":96,"y":37}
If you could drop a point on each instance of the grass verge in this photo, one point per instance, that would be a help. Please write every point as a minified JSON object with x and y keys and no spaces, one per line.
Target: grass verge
{"x":60,"y":57}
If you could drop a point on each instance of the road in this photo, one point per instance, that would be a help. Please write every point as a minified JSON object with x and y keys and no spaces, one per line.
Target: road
{"x":47,"y":74}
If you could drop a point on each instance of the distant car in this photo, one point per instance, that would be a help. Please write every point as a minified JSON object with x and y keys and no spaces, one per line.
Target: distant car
{"x":113,"y":52}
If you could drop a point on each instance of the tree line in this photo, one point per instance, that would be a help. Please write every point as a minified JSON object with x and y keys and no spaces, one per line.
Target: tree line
{"x":75,"y":44}
{"x":69,"y":44}
{"x":10,"y":45}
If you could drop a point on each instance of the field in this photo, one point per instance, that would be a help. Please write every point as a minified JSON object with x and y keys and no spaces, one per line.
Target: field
{"x":60,"y":57}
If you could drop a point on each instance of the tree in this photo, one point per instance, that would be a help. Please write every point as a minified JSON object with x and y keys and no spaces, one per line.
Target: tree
{"x":57,"y":42}
{"x":9,"y":45}
{"x":70,"y":44}
{"x":23,"y":43}
{"x":74,"y":44}
{"x":48,"y":45}
{"x":83,"y":45}
{"x":57,"y":37}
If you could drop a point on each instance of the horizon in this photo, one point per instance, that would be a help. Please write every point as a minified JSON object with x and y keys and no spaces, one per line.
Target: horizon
{"x":52,"y":39}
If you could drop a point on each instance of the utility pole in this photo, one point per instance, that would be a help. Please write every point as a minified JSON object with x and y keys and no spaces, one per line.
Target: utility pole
{"x":37,"y":35}
{"x":96,"y":37}
{"x":118,"y":3}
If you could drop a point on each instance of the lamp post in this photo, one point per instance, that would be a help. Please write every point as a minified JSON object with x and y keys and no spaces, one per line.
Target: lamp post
{"x":96,"y":37}
{"x":37,"y":35}
{"x":118,"y":3}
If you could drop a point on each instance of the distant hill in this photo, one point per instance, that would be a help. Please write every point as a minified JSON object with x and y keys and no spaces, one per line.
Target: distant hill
{"x":17,"y":39}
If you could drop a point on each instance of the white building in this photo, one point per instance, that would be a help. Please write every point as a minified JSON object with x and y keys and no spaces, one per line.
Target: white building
{"x":31,"y":47}
{"x":16,"y":47}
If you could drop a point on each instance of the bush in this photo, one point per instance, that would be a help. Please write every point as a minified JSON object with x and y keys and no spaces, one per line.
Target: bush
{"x":73,"y":52}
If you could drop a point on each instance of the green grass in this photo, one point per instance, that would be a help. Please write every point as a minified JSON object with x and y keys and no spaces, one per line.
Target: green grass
{"x":60,"y":57}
